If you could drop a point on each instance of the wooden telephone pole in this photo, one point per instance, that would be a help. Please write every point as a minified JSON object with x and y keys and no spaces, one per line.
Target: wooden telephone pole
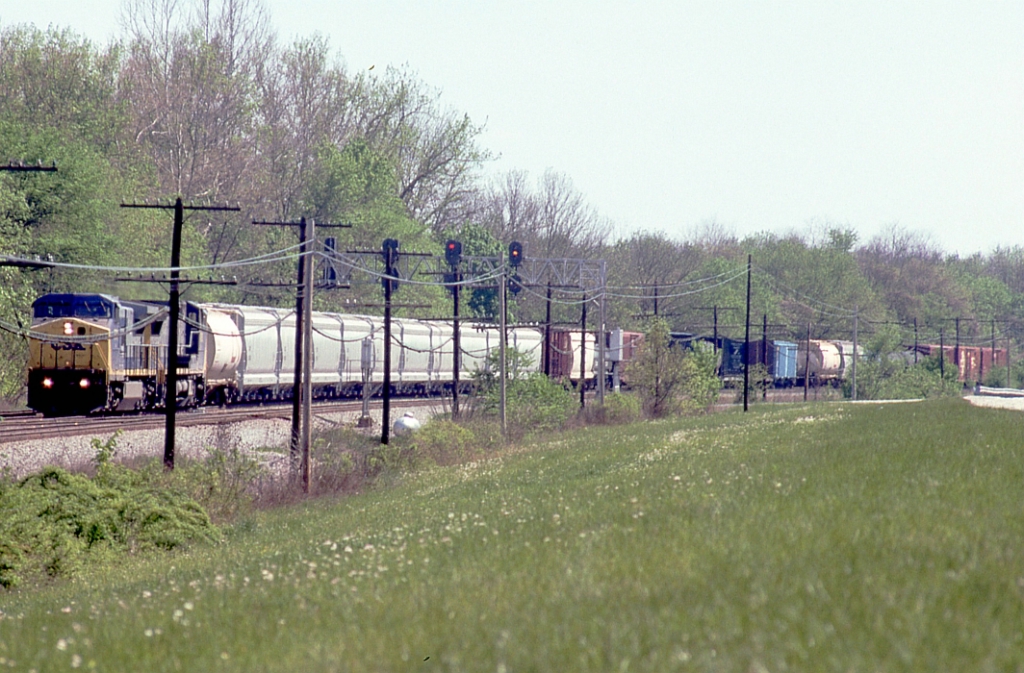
{"x":171,"y":387}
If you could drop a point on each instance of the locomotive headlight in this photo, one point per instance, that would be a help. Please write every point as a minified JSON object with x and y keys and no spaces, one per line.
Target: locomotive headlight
{"x":47,"y":382}
{"x":84,"y":383}
{"x":69,"y":329}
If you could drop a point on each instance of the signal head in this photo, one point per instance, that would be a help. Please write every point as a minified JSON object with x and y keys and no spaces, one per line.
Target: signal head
{"x":453,"y":252}
{"x":515,"y":253}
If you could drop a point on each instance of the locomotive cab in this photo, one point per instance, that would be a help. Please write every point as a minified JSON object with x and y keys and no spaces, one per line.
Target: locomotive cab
{"x":69,"y":353}
{"x":94,"y":352}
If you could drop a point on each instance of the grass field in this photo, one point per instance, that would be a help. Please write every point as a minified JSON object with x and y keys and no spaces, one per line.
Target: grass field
{"x":813,"y":538}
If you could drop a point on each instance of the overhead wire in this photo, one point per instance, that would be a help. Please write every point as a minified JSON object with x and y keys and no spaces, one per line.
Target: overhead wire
{"x":734,"y":276}
{"x":274,"y":256}
{"x":660,"y":286}
{"x":838,"y":311}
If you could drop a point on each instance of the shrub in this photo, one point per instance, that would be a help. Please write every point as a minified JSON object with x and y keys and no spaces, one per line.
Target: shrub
{"x":53,"y":521}
{"x":701,"y":384}
{"x":533,"y":402}
{"x":618,"y":409}
{"x":669,"y":379}
{"x":222,"y":482}
{"x":388,"y":460}
{"x":444,"y":441}
{"x":884,"y":380}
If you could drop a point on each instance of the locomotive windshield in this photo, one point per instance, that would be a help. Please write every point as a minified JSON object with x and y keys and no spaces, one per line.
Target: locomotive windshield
{"x":73,"y":306}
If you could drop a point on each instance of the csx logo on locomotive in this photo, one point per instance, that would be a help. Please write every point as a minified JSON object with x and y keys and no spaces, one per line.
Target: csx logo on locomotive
{"x":65,"y":346}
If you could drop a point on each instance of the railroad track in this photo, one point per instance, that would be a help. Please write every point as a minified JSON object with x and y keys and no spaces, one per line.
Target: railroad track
{"x":26,"y":425}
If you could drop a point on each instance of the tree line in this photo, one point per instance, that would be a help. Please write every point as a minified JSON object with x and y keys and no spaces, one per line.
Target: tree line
{"x":201,"y":101}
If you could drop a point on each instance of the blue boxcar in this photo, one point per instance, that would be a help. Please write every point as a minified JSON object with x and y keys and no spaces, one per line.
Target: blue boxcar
{"x":785,"y":360}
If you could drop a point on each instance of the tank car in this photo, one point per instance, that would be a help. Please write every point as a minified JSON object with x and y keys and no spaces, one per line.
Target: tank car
{"x":818,"y":360}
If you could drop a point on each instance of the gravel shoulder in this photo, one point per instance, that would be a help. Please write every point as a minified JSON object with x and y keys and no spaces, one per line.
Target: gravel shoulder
{"x":266,"y":440}
{"x":993,"y":402}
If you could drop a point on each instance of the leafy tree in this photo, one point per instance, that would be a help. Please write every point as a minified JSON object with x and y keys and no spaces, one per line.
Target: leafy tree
{"x":645,"y":261}
{"x":55,"y":79}
{"x":477,"y":241}
{"x":908,"y":272}
{"x":817,"y":282}
{"x":658,"y":373}
{"x":356,"y":185}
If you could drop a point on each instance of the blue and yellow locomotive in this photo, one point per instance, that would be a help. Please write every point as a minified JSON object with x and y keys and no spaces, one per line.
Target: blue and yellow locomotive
{"x":91,"y":352}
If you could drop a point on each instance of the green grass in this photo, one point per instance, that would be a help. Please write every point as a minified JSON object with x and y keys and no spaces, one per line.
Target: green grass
{"x":818,"y":538}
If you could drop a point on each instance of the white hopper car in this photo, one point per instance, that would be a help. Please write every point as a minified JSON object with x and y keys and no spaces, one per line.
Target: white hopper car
{"x":251,"y":352}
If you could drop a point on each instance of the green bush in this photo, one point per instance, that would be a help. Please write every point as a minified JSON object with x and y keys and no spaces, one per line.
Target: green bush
{"x":701,"y":384}
{"x":52,"y":522}
{"x":669,"y":379}
{"x":388,"y":460}
{"x":533,"y":402}
{"x":618,"y":409}
{"x":882,"y":379}
{"x":445,"y":442}
{"x":760,"y":383}
{"x":222,"y":482}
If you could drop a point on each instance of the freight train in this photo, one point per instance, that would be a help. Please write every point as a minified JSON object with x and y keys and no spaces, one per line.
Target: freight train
{"x":96,"y":352}
{"x":830,"y":362}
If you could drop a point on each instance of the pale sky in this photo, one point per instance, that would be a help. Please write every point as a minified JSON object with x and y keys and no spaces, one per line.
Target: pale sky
{"x":758,"y":115}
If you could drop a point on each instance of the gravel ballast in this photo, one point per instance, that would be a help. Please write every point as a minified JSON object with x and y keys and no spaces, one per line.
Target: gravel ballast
{"x":253,"y":436}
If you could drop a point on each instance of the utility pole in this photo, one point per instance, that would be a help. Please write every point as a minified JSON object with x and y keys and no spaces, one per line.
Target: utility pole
{"x":956,"y":349}
{"x":807,"y":361}
{"x":302,"y":387}
{"x":583,"y":352}
{"x":456,"y":346}
{"x":746,"y":346}
{"x":764,"y":358}
{"x":307,"y":358}
{"x":171,"y":375}
{"x":453,"y":255}
{"x":389,"y":250}
{"x":714,"y":332}
{"x":942,"y":354}
{"x":547,"y":333}
{"x":601,"y":375}
{"x":993,"y":359}
{"x":915,"y":341}
{"x":854,"y":366}
{"x":503,"y":367}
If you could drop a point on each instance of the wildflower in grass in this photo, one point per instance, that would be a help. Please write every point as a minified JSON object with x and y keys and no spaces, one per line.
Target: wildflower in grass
{"x":76,"y":661}
{"x":62,"y":644}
